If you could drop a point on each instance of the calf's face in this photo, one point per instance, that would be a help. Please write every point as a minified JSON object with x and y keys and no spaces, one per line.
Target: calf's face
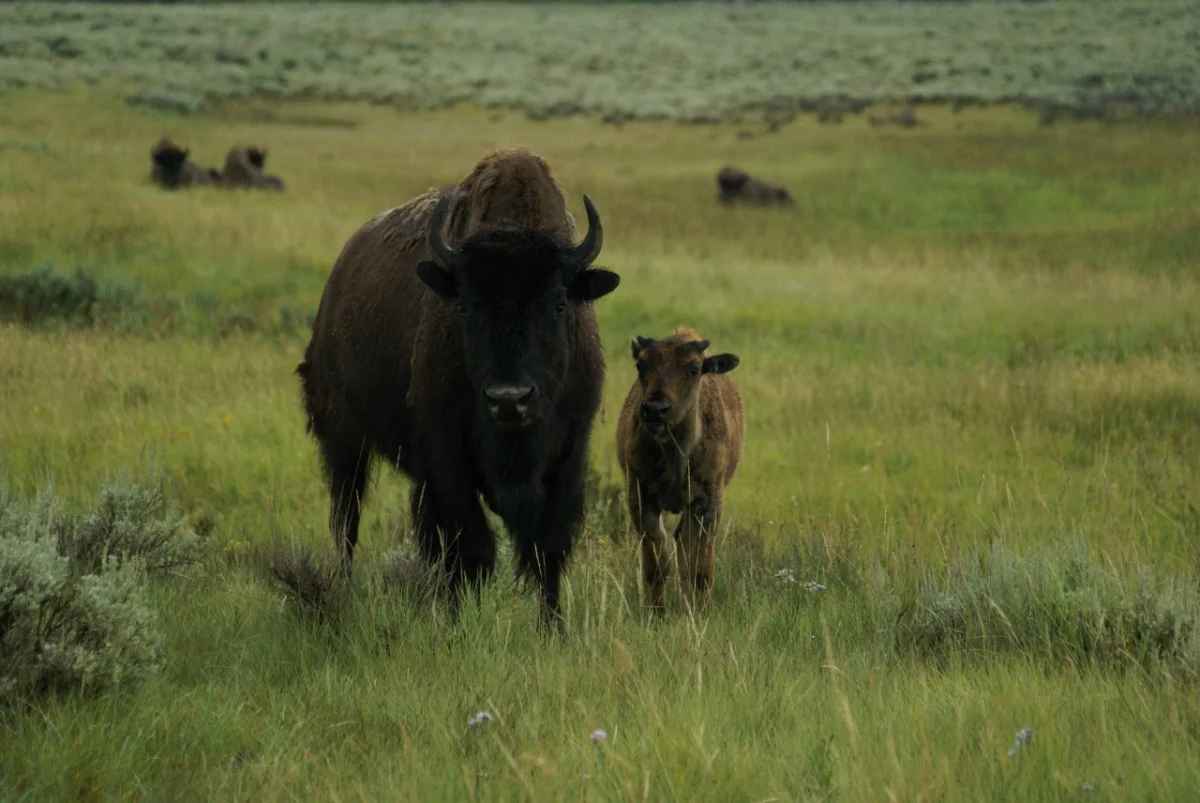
{"x":670,"y":372}
{"x":514,"y":289}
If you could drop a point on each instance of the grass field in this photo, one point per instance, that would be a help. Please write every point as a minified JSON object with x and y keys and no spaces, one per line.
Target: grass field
{"x":970,"y":367}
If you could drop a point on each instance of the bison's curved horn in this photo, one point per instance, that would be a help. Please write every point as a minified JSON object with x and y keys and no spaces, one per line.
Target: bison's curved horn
{"x":587,"y":251}
{"x":446,"y":256}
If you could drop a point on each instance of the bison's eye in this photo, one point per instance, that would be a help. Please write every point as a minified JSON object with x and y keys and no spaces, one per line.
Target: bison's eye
{"x":694,"y":370}
{"x":462,"y":308}
{"x":561,"y":308}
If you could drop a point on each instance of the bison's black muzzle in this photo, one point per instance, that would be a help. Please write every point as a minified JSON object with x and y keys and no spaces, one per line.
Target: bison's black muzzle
{"x":510,"y":405}
{"x":654,"y":413}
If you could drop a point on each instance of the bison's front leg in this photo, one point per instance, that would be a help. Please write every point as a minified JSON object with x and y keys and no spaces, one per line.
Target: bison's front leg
{"x":696,"y":533}
{"x":452,"y":529}
{"x":646,"y":516}
{"x":546,"y":539}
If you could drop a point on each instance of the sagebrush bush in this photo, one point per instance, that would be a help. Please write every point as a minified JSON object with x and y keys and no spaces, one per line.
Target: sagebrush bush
{"x":73,"y":608}
{"x":1059,"y":602}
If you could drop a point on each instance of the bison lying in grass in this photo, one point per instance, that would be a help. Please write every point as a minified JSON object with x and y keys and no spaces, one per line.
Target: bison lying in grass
{"x":736,"y":186}
{"x":456,"y":340}
{"x":244,"y":170}
{"x":679,"y":441}
{"x":171,"y":169}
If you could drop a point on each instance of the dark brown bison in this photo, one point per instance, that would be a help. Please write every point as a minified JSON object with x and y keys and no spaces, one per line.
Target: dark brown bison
{"x":171,"y":169}
{"x":456,"y":340}
{"x":244,"y":170}
{"x":736,"y":186}
{"x":679,"y":441}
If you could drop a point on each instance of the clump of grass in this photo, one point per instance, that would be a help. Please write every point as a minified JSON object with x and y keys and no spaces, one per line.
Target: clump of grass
{"x":73,"y":607}
{"x":314,"y":587}
{"x":1058,"y":602}
{"x":407,"y":574}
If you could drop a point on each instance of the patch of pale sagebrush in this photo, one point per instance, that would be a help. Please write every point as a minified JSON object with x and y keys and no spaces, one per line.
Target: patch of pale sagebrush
{"x":690,"y":62}
{"x":73,"y":608}
{"x":1058,"y":602}
{"x":45,"y":297}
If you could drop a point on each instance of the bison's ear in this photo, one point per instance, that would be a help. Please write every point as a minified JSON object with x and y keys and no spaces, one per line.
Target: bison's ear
{"x":438,"y":280}
{"x":590,"y":284}
{"x":721,"y":363}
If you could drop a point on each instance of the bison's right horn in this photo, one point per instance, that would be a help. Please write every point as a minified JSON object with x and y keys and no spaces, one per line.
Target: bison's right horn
{"x":446,"y":256}
{"x":589,"y":249}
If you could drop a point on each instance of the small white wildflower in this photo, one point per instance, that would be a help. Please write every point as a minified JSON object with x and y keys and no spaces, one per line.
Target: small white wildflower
{"x":599,"y":736}
{"x":481,"y":717}
{"x":812,"y":586}
{"x":786,"y":575}
{"x":1024,"y":739}
{"x":587,"y":777}
{"x":865,"y":469}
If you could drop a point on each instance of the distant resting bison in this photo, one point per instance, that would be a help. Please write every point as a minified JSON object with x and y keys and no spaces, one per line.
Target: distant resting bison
{"x":736,"y":186}
{"x":679,"y":442}
{"x":172,"y":170}
{"x":456,"y":340}
{"x":244,"y":169}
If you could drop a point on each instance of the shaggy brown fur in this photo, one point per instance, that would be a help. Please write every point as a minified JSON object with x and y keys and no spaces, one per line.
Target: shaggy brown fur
{"x":414,"y":332}
{"x":679,"y":441}
{"x":171,"y":169}
{"x":736,"y":186}
{"x":244,"y":169}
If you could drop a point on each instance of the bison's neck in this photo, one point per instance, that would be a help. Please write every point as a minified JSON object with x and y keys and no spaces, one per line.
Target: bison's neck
{"x":676,"y":445}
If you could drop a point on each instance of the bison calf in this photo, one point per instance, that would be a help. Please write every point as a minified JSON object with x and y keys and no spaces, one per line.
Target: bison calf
{"x":737,"y":187}
{"x":679,"y":441}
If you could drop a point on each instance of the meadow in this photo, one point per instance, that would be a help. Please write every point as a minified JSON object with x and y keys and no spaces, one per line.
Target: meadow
{"x":969,"y":503}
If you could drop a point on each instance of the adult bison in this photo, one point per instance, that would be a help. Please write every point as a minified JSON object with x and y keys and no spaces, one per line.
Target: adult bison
{"x":171,"y":169}
{"x":244,"y":169}
{"x":736,"y":186}
{"x":456,"y":340}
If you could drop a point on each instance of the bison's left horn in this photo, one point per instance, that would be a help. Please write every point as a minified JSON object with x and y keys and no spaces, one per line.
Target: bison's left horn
{"x":446,"y":256}
{"x":589,"y":249}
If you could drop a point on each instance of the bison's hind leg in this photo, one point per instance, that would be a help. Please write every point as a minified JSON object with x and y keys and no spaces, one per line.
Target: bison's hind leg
{"x":347,"y":468}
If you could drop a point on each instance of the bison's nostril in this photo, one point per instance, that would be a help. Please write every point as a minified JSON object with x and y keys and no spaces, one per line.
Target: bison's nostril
{"x":509,"y":394}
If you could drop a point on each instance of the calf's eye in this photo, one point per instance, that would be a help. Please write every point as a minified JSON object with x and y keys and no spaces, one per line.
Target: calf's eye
{"x":694,"y":370}
{"x":561,"y":308}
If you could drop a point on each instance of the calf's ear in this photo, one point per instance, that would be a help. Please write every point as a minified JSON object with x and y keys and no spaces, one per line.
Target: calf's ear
{"x":638,"y":344}
{"x":438,"y":280}
{"x":590,"y":284}
{"x":720,"y":363}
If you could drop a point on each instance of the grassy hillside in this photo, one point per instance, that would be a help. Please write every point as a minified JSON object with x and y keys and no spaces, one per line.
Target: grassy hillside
{"x":969,"y":360}
{"x":696,"y":62}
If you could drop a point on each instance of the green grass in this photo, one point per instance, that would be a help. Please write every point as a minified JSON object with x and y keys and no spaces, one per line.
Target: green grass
{"x":679,"y":61}
{"x":969,"y":361}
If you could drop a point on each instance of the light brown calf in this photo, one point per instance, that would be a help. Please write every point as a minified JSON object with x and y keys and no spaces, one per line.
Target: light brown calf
{"x":679,"y":441}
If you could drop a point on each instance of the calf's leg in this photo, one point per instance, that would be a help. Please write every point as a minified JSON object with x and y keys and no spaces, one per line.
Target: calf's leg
{"x":696,"y":533}
{"x":656,"y":557}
